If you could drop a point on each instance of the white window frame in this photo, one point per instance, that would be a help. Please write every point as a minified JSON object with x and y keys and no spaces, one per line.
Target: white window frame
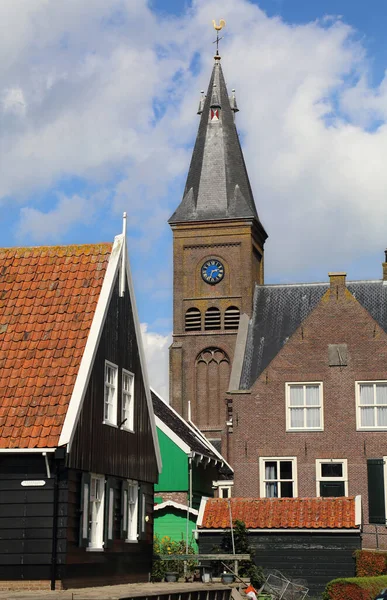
{"x":262,"y":480}
{"x":112,"y":416}
{"x":320,"y":478}
{"x":359,"y":426}
{"x":96,"y":513}
{"x":223,"y":484}
{"x":128,"y":425}
{"x":288,"y":385}
{"x":130,"y":515}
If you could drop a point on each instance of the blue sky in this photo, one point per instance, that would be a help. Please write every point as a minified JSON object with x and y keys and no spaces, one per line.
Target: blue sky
{"x":98,"y":108}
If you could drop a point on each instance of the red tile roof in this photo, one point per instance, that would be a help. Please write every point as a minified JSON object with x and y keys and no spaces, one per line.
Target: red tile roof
{"x":281,"y":513}
{"x":48,"y":297}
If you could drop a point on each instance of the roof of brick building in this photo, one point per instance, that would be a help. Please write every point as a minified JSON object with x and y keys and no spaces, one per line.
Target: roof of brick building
{"x":48,"y":297}
{"x":281,"y":513}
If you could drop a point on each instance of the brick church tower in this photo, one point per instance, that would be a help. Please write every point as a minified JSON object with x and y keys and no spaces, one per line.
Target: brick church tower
{"x":218,"y":244}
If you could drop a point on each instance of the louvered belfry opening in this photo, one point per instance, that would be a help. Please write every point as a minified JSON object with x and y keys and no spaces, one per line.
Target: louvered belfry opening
{"x":212,"y":319}
{"x":231,"y":317}
{"x":193,"y":319}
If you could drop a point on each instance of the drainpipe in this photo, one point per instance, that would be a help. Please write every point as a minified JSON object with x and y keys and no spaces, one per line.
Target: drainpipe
{"x":189,"y":504}
{"x":59,"y":455}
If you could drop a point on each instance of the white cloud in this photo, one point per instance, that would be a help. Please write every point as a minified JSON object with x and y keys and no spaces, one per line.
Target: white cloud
{"x":156,"y":353}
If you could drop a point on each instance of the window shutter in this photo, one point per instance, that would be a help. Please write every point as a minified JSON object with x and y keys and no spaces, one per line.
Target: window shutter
{"x":84,"y":510}
{"x":376,"y":500}
{"x":141,"y":513}
{"x":124,"y":510}
{"x":108,"y":523}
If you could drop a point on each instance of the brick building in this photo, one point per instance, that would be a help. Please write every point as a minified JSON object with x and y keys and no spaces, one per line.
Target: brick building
{"x":289,"y":380}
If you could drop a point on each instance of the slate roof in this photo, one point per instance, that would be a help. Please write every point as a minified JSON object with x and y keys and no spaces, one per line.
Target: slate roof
{"x":48,"y":296}
{"x":217,"y":185}
{"x":186,"y":432}
{"x":281,"y":513}
{"x":278,"y":310}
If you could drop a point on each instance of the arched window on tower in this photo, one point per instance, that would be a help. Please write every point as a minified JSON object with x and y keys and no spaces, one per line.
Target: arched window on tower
{"x":212,"y":319}
{"x":193,"y":320}
{"x":212,"y":374}
{"x":231,"y":317}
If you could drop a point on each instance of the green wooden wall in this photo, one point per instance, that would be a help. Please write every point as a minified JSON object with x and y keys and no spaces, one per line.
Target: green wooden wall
{"x":173,"y":523}
{"x":174,"y":475}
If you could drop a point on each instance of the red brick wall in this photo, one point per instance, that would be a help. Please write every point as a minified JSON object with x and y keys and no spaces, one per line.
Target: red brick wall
{"x":260,"y":417}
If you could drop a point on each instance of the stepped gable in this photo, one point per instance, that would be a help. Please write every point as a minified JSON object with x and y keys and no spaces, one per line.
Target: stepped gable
{"x":48,"y":297}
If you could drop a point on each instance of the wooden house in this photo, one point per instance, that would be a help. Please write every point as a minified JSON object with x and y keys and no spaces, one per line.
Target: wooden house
{"x":79,"y":454}
{"x":192,"y":469}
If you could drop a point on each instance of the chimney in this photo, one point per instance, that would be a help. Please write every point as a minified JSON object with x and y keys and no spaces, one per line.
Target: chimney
{"x":337,"y":283}
{"x":384,"y":265}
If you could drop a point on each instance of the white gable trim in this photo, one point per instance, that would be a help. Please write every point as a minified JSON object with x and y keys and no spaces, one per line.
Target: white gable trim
{"x":172,"y":435}
{"x":87,"y":362}
{"x":172,"y":504}
{"x":144,"y":369}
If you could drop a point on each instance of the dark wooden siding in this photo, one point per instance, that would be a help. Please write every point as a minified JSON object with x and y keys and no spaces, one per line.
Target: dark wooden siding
{"x":316,"y":558}
{"x":27,"y":518}
{"x":101,"y":448}
{"x":120,"y":563}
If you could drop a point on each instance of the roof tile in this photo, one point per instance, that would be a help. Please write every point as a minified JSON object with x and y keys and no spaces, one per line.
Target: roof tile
{"x":48,"y":297}
{"x":281,"y":513}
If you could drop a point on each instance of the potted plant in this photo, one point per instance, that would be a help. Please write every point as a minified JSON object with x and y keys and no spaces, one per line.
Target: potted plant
{"x":171,"y":576}
{"x":227,"y":578}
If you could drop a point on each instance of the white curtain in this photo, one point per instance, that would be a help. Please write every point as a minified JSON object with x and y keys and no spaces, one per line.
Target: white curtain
{"x":381,"y":393}
{"x":366,"y":393}
{"x":382,"y":417}
{"x":367,"y":417}
{"x":312,"y":417}
{"x":312,"y":395}
{"x":271,"y":473}
{"x":296,"y":395}
{"x":297,"y":417}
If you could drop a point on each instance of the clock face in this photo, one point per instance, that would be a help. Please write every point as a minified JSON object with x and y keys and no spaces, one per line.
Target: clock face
{"x":212,"y":271}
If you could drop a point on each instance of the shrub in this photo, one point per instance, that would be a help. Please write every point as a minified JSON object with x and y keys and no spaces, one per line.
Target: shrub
{"x":370,"y":563}
{"x":165,"y":545}
{"x":354,"y":588}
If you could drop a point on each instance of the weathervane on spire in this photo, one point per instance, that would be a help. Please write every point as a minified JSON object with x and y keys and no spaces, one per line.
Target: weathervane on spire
{"x":217,"y":28}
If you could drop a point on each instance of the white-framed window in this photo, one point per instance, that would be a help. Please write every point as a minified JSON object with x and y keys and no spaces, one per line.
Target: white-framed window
{"x":331,"y":477}
{"x":278,"y":477}
{"x":127,"y":412}
{"x":110,"y":397}
{"x":304,"y":406}
{"x":130,"y":511}
{"x":371,"y":405}
{"x":224,"y":487}
{"x":96,"y":511}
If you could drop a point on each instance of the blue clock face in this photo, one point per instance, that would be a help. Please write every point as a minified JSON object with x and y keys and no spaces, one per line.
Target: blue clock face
{"x":212,"y":271}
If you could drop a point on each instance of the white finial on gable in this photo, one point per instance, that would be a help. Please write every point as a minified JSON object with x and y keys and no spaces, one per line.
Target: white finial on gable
{"x":123,"y":258}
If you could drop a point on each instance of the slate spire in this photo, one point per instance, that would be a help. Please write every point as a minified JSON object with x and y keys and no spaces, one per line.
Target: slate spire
{"x":217,"y":185}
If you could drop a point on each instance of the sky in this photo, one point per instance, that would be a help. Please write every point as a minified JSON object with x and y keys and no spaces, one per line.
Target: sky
{"x":98,"y":105}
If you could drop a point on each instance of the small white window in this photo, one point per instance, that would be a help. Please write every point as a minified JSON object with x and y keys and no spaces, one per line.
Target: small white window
{"x":130,"y":512}
{"x":127,"y":415}
{"x":96,"y":511}
{"x":110,"y":399}
{"x":224,"y":487}
{"x":304,"y":402}
{"x":331,"y":477}
{"x":278,"y":477}
{"x":371,"y":399}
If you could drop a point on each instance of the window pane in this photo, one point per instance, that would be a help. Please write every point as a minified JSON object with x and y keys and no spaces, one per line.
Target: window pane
{"x":270,"y":470}
{"x":313,"y":417}
{"x":367,"y":417}
{"x":331,"y":470}
{"x":296,"y":395}
{"x":331,"y":489}
{"x":286,"y":469}
{"x":366,"y":393}
{"x":381,"y":417}
{"x":271,"y":490}
{"x":312,"y":395}
{"x":381,"y":393}
{"x":296,"y":417}
{"x":286,"y":489}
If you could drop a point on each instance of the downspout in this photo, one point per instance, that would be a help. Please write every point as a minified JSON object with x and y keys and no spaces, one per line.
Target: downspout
{"x":189,"y":504}
{"x":54,"y":551}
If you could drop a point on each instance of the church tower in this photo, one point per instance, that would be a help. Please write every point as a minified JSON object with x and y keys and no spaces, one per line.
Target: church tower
{"x":218,"y":244}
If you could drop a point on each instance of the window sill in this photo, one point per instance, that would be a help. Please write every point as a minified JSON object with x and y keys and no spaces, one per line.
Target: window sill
{"x":304,"y":430}
{"x":373,"y":429}
{"x":127,"y":430}
{"x":110,"y":424}
{"x":91,"y":549}
{"x":131,"y":541}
